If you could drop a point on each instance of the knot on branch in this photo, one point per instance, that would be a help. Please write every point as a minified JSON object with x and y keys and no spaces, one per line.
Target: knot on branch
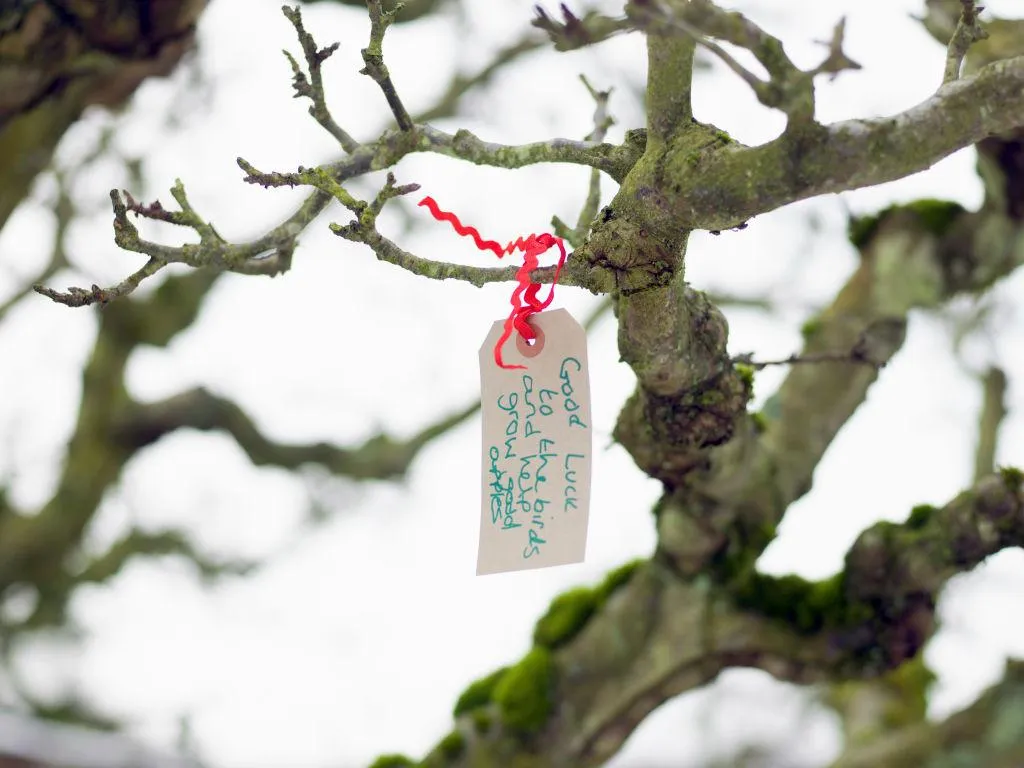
{"x":628,"y":255}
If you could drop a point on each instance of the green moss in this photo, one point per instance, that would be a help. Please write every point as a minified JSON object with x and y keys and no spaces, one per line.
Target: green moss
{"x":911,"y":680}
{"x":807,"y":606}
{"x":759,"y":421}
{"x":860,"y":229}
{"x":746,"y":374}
{"x":393,"y":761}
{"x":1013,"y":477}
{"x":936,"y":216}
{"x":617,"y":577}
{"x":452,"y":745}
{"x":482,"y":720}
{"x":523,"y":694}
{"x":478,"y":693}
{"x":810,"y":327}
{"x":710,"y":398}
{"x":570,"y":611}
{"x":920,"y":515}
{"x":565,"y":617}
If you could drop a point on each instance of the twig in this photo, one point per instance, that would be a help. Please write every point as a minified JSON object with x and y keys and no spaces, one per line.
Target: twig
{"x":858,"y":355}
{"x":993,"y":411}
{"x":574,"y":32}
{"x":65,"y":211}
{"x":381,"y":457}
{"x":788,"y":88}
{"x":82,"y":297}
{"x":968,"y":31}
{"x":271,"y":254}
{"x":602,"y":122}
{"x":313,"y":87}
{"x":837,"y":60}
{"x":363,"y":229}
{"x":373,"y":58}
{"x":762,"y":89}
{"x":446,"y":105}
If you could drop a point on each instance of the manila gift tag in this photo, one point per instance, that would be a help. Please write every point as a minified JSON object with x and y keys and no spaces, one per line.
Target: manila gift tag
{"x":537,"y":441}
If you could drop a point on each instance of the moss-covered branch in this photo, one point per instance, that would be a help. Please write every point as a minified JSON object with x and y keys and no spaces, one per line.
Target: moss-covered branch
{"x":696,"y":182}
{"x":988,"y":733}
{"x":60,"y":59}
{"x":605,"y":657}
{"x":912,"y":257}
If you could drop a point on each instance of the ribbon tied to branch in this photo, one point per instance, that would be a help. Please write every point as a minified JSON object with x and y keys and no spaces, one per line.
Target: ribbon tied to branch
{"x":525,"y":299}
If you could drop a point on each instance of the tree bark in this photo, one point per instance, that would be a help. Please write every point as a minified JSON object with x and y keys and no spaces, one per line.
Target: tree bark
{"x":59,"y":57}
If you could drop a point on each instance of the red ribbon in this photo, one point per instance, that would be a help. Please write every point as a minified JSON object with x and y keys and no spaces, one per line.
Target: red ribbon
{"x":525,"y":300}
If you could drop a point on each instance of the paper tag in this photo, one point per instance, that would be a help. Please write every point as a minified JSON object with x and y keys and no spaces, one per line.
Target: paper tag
{"x":537,"y":440}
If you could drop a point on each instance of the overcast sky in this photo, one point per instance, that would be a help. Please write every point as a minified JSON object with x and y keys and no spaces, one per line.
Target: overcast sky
{"x":358,"y":634}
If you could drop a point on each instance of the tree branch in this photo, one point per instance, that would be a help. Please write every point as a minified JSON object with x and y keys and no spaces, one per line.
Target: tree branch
{"x":914,"y":256}
{"x":379,"y":458}
{"x":56,"y":67}
{"x":39,"y":549}
{"x":373,"y":58}
{"x":607,"y":656}
{"x":447,"y":103}
{"x":573,"y":32}
{"x":139,"y":543}
{"x":737,"y":183}
{"x":968,"y":31}
{"x":313,"y":86}
{"x":993,"y":410}
{"x":788,"y":87}
{"x":602,"y":122}
{"x":978,"y":732}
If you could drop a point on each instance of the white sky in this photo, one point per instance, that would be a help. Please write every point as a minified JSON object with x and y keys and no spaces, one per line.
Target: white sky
{"x":357,"y":636}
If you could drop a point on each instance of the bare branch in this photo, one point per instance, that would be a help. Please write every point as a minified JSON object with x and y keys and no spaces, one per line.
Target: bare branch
{"x":858,"y":354}
{"x":363,"y":230}
{"x":762,"y":89}
{"x":373,"y":58}
{"x":574,"y":32}
{"x":313,"y":87}
{"x":993,"y":411}
{"x":446,"y":105}
{"x":379,"y":458}
{"x":389,"y":252}
{"x":788,"y":88}
{"x":83,"y":297}
{"x":602,"y":122}
{"x":836,"y":61}
{"x":65,"y":212}
{"x":271,"y":254}
{"x":139,"y":543}
{"x":968,"y":31}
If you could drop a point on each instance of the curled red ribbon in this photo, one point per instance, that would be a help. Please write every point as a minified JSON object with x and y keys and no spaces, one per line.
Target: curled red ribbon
{"x":525,"y":299}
